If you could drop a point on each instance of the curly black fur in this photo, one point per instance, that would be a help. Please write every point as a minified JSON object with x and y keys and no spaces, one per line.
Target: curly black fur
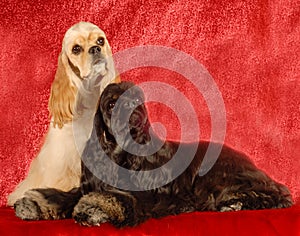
{"x":233,"y":183}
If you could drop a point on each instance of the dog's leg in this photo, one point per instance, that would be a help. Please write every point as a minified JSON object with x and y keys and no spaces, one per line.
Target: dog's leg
{"x":96,"y":208}
{"x":47,"y":204}
{"x":89,"y":211}
{"x":253,"y":199}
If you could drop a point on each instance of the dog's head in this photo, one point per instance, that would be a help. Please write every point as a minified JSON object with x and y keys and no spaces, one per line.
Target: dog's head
{"x":84,"y":48}
{"x":122,"y":109}
{"x":85,"y":60}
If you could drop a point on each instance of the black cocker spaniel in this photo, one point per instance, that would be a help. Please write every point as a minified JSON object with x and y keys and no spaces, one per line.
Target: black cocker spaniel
{"x":129,"y":175}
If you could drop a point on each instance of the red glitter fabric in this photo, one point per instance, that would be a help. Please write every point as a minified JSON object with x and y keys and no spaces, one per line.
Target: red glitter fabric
{"x":250,"y":47}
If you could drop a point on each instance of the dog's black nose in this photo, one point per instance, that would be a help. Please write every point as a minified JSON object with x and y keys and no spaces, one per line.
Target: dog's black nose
{"x":132,"y":104}
{"x":94,"y":50}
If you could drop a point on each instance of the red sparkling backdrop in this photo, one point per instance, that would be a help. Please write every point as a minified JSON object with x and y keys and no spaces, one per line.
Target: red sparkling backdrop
{"x":250,"y":47}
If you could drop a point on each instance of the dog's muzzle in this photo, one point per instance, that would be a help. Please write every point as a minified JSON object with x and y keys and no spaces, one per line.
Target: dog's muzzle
{"x":95,"y":50}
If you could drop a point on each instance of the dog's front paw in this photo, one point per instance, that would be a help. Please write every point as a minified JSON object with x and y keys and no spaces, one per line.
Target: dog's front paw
{"x":88,"y":214}
{"x":237,"y":206}
{"x":26,"y":209}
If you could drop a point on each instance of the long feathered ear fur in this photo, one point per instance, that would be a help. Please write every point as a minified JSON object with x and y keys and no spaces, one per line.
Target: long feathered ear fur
{"x":63,"y":95}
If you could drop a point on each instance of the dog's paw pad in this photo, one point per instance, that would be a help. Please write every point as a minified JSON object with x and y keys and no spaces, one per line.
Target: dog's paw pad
{"x":27,"y":209}
{"x":233,"y":207}
{"x":89,"y":215}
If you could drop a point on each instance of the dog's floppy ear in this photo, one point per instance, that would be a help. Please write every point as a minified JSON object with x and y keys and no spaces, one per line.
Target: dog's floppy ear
{"x":63,"y":94}
{"x":112,"y":76}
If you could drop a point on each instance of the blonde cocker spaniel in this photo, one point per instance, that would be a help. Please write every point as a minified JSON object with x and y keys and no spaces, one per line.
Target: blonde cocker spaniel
{"x":85,"y":68}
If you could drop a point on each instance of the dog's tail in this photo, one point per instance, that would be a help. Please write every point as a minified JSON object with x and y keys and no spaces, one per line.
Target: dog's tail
{"x":47,"y":204}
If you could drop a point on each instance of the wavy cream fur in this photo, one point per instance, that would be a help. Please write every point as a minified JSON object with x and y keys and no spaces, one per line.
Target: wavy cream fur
{"x":75,"y":92}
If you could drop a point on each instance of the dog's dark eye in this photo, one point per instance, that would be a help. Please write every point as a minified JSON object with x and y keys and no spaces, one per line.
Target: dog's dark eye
{"x":111,"y":105}
{"x":77,"y":49}
{"x":136,"y":101}
{"x":100,"y":41}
